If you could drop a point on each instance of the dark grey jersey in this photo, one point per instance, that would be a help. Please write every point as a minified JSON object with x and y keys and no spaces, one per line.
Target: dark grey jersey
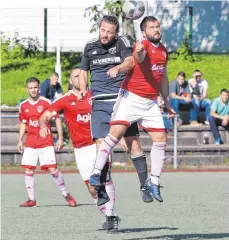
{"x":98,"y":59}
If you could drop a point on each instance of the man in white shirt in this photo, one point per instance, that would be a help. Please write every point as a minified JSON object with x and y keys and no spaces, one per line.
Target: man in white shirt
{"x":199,"y":90}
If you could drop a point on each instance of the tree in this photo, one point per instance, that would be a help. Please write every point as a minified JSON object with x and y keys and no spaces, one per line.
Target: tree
{"x":96,"y":12}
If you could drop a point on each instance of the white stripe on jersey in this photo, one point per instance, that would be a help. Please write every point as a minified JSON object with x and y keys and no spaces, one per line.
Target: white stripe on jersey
{"x":126,"y":41}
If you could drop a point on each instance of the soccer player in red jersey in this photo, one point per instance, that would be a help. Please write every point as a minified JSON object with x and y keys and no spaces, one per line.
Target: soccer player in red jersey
{"x":37,"y":147}
{"x":137,"y":102}
{"x":77,"y":115}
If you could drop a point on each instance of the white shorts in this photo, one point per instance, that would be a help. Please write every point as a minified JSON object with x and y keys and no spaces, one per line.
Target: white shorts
{"x":85,"y":159}
{"x":130,"y":108}
{"x":45,"y":155}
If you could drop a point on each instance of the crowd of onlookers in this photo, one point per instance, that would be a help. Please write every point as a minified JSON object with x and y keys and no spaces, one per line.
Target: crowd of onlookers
{"x":191,"y":95}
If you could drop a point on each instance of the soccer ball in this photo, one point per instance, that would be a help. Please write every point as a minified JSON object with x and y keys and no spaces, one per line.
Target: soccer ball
{"x":133,"y":9}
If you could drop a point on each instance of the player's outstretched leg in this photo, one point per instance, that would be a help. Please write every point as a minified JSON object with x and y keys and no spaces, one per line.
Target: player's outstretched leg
{"x":157,"y":162}
{"x":29,"y":183}
{"x":59,"y":180}
{"x":104,"y":150}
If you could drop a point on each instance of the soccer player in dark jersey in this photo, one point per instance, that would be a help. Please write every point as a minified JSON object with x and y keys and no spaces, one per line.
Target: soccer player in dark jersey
{"x":108,"y":58}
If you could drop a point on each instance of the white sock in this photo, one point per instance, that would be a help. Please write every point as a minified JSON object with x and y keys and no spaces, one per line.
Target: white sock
{"x":30,"y":183}
{"x":101,"y":208}
{"x":105,"y":149}
{"x":110,"y":206}
{"x":59,"y":180}
{"x":157,"y":161}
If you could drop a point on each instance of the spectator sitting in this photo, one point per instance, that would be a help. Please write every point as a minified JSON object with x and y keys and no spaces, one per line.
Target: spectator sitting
{"x":199,"y":90}
{"x":51,"y":88}
{"x":180,"y":95}
{"x":219,"y":114}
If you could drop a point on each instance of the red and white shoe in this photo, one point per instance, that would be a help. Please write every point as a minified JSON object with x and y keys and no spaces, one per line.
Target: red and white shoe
{"x":29,"y":203}
{"x":70,"y":200}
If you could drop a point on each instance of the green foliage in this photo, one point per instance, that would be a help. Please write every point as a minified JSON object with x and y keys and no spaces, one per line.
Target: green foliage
{"x":97,"y":11}
{"x":16,"y":48}
{"x":183,"y":51}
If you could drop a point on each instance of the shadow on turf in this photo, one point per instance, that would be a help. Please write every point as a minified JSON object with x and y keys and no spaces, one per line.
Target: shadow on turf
{"x":137,"y":230}
{"x":65,"y":205}
{"x":194,"y":236}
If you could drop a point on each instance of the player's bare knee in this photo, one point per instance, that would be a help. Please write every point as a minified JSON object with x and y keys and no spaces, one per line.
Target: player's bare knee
{"x":118,"y":131}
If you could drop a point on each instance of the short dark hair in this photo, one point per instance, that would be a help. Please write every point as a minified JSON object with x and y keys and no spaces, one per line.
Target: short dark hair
{"x":112,"y":19}
{"x":182,"y":74}
{"x":197,"y":70}
{"x":224,"y":90}
{"x":32,"y":79}
{"x":55,"y":74}
{"x":145,"y":20}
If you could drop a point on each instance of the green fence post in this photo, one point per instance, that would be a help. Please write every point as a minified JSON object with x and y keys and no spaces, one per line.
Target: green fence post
{"x":45,"y":29}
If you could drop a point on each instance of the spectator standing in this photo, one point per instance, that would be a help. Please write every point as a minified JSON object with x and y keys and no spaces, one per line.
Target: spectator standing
{"x":199,"y":90}
{"x":51,"y":88}
{"x":180,"y":96}
{"x":219,"y":115}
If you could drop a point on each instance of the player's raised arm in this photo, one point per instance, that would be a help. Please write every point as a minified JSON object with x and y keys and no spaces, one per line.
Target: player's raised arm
{"x":139,"y":52}
{"x":124,"y":67}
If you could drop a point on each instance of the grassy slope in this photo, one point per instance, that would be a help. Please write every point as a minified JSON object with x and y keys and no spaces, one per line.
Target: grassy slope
{"x":215,"y":69}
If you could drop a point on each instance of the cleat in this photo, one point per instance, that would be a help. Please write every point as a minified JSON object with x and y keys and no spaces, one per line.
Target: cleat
{"x":155,"y":191}
{"x":102,"y":196}
{"x":70,"y":200}
{"x":146,"y":194}
{"x":115,"y":224}
{"x":107,"y":224}
{"x":95,"y":181}
{"x":29,"y":203}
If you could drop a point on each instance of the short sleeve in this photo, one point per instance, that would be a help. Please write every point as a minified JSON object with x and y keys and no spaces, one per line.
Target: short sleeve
{"x":124,"y":48}
{"x":22,"y":116}
{"x":84,"y":65}
{"x":56,"y":106}
{"x":205,"y":84}
{"x":214,"y":105}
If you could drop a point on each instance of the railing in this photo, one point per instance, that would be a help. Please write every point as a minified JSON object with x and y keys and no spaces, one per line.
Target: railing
{"x":175,"y":165}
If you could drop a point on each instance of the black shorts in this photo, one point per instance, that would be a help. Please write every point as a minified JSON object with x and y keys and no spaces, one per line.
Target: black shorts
{"x":100,"y":120}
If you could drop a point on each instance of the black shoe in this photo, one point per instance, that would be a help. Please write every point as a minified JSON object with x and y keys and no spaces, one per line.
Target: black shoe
{"x":102,"y":196}
{"x":146,"y":194}
{"x":108,"y":224}
{"x":115,"y":223}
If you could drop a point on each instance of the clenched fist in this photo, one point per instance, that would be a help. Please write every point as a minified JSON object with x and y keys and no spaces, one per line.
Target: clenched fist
{"x":139,"y":47}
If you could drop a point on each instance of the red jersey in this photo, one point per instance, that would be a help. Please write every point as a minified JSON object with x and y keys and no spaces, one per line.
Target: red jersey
{"x":145,"y":78}
{"x":29,"y":114}
{"x":77,"y":115}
